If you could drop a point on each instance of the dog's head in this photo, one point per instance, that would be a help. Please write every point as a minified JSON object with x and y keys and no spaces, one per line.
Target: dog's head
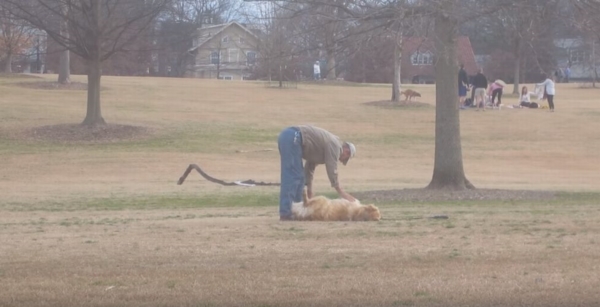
{"x":368,"y":213}
{"x":417,"y":94}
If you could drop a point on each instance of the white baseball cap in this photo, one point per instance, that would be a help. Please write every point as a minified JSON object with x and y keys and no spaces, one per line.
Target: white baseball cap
{"x":352,"y":151}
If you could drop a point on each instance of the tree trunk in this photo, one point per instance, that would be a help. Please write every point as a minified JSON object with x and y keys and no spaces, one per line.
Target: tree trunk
{"x":330,"y":64}
{"x":517,"y":75}
{"x":64,"y":71}
{"x":280,"y":76}
{"x":517,"y":72}
{"x":396,"y":84}
{"x":364,"y":70}
{"x":94,"y":114}
{"x":8,"y":64}
{"x":595,"y":74}
{"x":94,"y":67}
{"x":448,"y":172}
{"x":269,"y":74}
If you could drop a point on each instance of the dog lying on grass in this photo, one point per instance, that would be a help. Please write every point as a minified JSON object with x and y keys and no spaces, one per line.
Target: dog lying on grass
{"x":321,"y":208}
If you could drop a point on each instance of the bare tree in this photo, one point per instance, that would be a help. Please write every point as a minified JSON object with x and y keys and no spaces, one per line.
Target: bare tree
{"x":15,"y":36}
{"x":519,"y":27}
{"x":97,"y":30}
{"x":587,"y":20}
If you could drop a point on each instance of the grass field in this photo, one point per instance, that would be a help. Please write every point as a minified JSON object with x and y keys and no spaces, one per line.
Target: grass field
{"x":104,"y":224}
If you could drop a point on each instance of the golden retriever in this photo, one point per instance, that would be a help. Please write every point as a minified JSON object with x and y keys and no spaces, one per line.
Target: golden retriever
{"x":321,"y":208}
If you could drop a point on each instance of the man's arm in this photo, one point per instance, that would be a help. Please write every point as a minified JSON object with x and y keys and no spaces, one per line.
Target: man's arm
{"x":309,"y":172}
{"x":332,"y":173}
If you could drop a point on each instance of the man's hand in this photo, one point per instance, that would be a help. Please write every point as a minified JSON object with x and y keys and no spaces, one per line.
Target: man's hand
{"x":344,"y":195}
{"x":347,"y":197}
{"x":309,"y":193}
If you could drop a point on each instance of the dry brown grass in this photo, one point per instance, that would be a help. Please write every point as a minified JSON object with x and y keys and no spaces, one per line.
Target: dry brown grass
{"x":481,"y":256}
{"x":537,"y":253}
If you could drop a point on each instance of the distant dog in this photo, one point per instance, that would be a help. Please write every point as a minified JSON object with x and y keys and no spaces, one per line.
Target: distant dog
{"x":321,"y":208}
{"x":409,"y":94}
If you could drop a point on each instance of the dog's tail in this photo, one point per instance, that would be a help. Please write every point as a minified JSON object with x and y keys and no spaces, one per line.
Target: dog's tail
{"x":305,"y":197}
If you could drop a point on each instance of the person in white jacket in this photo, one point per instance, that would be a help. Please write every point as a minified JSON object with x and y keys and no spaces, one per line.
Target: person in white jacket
{"x":549,"y":91}
{"x":317,"y":70}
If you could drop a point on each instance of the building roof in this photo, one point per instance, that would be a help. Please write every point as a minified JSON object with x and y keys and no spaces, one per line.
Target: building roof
{"x":206,"y":33}
{"x":423,"y":44}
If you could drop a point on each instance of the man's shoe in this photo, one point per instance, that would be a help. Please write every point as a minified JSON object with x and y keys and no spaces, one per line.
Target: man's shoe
{"x":286,"y":218}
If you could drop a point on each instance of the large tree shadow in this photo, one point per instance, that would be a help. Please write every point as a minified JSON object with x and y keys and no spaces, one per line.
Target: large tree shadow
{"x":77,"y":133}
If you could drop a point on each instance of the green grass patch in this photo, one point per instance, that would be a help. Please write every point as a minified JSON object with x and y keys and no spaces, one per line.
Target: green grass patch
{"x":234,"y":200}
{"x":199,"y":138}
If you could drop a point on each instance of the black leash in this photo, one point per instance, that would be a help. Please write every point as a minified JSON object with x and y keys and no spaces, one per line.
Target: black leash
{"x":248,"y":182}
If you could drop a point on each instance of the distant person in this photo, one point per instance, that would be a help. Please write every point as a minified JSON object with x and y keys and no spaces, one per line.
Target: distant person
{"x":463,"y":82}
{"x":549,"y":91}
{"x":525,"y":97}
{"x":317,"y":70}
{"x":495,"y":90}
{"x":480,"y":85}
{"x":567,"y":74}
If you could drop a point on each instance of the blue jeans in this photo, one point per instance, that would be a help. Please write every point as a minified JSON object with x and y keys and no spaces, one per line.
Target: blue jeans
{"x":292,"y":171}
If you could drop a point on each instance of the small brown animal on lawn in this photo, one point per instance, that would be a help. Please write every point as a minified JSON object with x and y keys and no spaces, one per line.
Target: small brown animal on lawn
{"x":321,"y":208}
{"x":409,"y":94}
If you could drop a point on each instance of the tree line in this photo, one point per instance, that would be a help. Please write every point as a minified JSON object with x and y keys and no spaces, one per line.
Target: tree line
{"x":357,"y":40}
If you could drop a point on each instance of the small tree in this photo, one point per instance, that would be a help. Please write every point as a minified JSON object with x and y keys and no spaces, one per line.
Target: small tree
{"x":15,"y":37}
{"x":97,"y":29}
{"x":587,"y":21}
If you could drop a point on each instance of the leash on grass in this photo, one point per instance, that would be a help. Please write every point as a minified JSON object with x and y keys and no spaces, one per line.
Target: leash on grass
{"x":246,"y":183}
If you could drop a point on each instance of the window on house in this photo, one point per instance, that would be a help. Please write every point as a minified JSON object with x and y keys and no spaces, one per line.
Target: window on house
{"x":242,"y":40}
{"x":422,"y":58}
{"x":225,"y":39}
{"x":577,"y":56}
{"x":250,"y":58}
{"x":214,"y":57}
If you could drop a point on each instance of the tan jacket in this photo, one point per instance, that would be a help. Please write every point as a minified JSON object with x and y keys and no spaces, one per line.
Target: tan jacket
{"x":320,"y":146}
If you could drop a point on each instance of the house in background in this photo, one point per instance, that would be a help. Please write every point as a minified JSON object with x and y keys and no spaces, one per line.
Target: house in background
{"x":418,"y":59}
{"x":227,"y":51}
{"x":579,"y":55}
